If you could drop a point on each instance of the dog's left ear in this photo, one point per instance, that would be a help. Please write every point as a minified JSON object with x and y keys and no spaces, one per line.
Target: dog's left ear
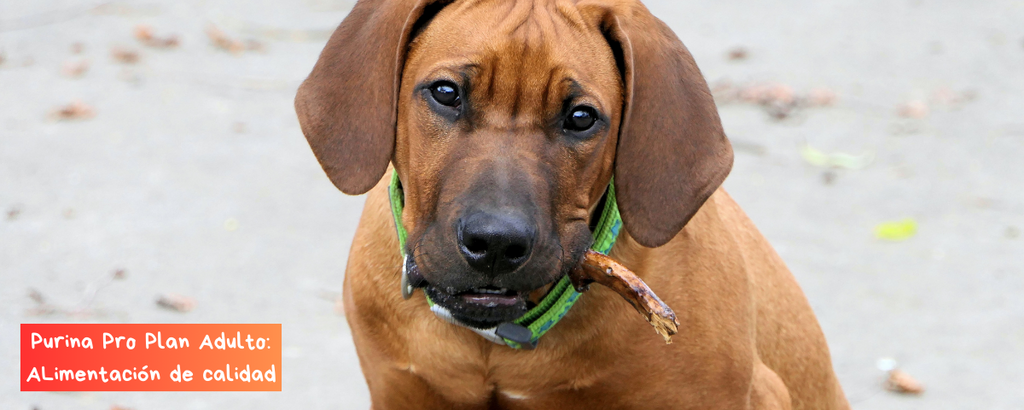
{"x":672,"y":153}
{"x":348,"y":106}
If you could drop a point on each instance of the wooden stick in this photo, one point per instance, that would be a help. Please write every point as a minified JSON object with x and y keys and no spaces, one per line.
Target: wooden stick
{"x":597,"y":267}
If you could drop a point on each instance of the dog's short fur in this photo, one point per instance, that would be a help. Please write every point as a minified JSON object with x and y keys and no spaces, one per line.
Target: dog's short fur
{"x":748,"y":338}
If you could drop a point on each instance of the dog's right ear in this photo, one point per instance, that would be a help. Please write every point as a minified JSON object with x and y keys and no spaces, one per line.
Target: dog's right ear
{"x":347,"y":107}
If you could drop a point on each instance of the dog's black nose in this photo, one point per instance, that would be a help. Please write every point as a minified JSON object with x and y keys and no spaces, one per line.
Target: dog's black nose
{"x":496,"y":243}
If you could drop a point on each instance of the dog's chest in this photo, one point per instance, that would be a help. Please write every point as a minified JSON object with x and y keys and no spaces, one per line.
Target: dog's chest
{"x":497,"y":377}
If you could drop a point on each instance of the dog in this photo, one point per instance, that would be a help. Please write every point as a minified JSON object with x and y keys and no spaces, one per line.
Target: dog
{"x":490,"y":133}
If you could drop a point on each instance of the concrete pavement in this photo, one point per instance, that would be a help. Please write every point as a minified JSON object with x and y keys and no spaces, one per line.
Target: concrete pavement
{"x":193,"y":178}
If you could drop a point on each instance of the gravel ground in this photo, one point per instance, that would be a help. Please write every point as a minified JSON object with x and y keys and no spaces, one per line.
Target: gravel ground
{"x":193,"y":178}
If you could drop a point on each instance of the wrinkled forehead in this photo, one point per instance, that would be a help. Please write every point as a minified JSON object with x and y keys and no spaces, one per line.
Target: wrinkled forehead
{"x":517,"y":49}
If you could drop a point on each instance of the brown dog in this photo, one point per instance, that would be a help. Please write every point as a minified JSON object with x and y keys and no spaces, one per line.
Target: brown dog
{"x":505,"y":121}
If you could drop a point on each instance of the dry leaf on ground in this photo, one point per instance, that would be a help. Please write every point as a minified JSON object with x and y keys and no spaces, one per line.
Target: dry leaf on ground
{"x":768,"y":94}
{"x":144,"y":34}
{"x":901,"y":382}
{"x":76,"y":110}
{"x":738,"y":53}
{"x":223,"y":42}
{"x":41,"y":308}
{"x":779,"y":100}
{"x":124,"y":56}
{"x":176,"y":302}
{"x":36,"y":296}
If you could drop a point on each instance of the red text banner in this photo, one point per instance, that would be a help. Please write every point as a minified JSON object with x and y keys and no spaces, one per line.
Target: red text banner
{"x":151,"y":357}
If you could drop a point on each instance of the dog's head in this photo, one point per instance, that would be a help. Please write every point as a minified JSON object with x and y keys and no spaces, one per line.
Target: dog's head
{"x":505,"y":121}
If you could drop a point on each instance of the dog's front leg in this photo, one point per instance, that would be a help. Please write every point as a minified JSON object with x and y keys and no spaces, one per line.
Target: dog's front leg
{"x":767,"y":391}
{"x":397,"y":389}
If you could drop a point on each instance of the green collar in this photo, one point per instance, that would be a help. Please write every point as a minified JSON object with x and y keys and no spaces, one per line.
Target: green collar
{"x":522,"y":333}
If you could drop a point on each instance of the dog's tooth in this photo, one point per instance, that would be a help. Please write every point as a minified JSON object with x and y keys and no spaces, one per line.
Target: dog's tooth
{"x":488,"y":291}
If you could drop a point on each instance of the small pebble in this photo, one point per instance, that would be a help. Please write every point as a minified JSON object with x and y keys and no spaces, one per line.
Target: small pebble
{"x":738,"y":53}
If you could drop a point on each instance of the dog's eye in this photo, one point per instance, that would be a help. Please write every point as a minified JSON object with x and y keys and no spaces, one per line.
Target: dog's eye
{"x":581,"y":118}
{"x":445,"y":93}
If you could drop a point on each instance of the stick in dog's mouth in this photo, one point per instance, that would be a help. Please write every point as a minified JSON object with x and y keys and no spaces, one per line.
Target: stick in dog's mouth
{"x":593,"y":267}
{"x":597,"y":267}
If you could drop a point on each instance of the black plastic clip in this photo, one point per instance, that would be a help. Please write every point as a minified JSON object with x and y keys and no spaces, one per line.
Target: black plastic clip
{"x":516,"y":333}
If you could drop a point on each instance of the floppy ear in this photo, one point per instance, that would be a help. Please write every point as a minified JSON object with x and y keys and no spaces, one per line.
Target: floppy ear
{"x":347,"y":107}
{"x":672,"y":153}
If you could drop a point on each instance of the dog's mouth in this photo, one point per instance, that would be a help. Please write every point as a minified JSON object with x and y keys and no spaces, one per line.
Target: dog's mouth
{"x":481,"y":307}
{"x":490,"y":296}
